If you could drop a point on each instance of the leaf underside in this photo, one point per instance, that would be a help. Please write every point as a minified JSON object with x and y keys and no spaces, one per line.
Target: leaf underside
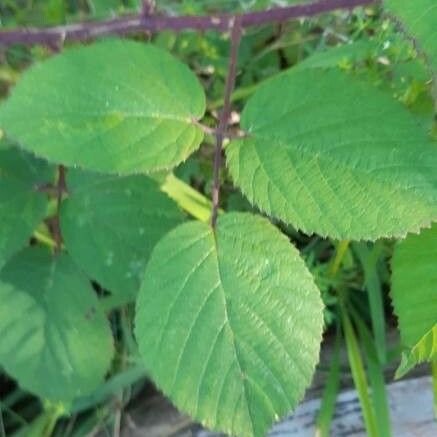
{"x":334,"y":156}
{"x":110,"y":225}
{"x":114,"y":106}
{"x":55,"y":341}
{"x":229,"y":323}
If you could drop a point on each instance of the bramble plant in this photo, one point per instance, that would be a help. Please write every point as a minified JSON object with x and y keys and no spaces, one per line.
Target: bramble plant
{"x":229,"y":318}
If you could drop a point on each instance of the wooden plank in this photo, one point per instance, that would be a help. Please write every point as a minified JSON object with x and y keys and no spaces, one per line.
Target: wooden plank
{"x":411,"y":408}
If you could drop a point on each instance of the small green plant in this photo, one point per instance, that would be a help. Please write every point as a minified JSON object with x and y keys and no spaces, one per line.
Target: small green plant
{"x":229,"y":319}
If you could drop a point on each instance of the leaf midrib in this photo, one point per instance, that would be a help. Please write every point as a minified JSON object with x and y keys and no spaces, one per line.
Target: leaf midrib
{"x":228,"y":322}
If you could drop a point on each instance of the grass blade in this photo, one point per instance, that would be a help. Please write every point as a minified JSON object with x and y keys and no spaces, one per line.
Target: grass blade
{"x":359,"y":375}
{"x":376,"y":377}
{"x":369,"y":259}
{"x":327,"y":405}
{"x":341,"y":251}
{"x":113,"y":385}
{"x":187,"y":198}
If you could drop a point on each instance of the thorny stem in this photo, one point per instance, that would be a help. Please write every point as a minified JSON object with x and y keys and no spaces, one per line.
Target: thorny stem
{"x":145,"y":22}
{"x":224,"y":116}
{"x":61,"y":187}
{"x":50,"y":189}
{"x":148,"y":7}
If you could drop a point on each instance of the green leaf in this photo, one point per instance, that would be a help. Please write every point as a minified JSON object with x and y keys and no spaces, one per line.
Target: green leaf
{"x":335,"y":56}
{"x":414,"y":296}
{"x":22,"y":207}
{"x":414,"y":285}
{"x":110,"y":225}
{"x":115,"y":106}
{"x":424,"y":350}
{"x":229,"y":323}
{"x":331,"y":155}
{"x":418,"y":18}
{"x":55,"y":341}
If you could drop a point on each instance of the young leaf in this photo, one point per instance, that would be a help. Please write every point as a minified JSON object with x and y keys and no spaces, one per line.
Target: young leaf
{"x":424,"y":350}
{"x":55,"y":341}
{"x":329,"y":154}
{"x":229,"y":323}
{"x":115,"y":106}
{"x":110,"y":225}
{"x":414,"y":291}
{"x":419,"y":19}
{"x":22,"y":207}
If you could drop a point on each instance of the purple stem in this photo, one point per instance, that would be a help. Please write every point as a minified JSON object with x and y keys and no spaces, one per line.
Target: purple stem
{"x":60,"y":189}
{"x":142,"y":22}
{"x":148,"y":7}
{"x":236,"y":29}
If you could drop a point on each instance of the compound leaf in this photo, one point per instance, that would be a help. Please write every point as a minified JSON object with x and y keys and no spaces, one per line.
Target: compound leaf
{"x":55,"y":341}
{"x":331,"y":155}
{"x":110,"y":225}
{"x":418,"y":18}
{"x":22,"y":207}
{"x":229,"y":322}
{"x":115,"y":106}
